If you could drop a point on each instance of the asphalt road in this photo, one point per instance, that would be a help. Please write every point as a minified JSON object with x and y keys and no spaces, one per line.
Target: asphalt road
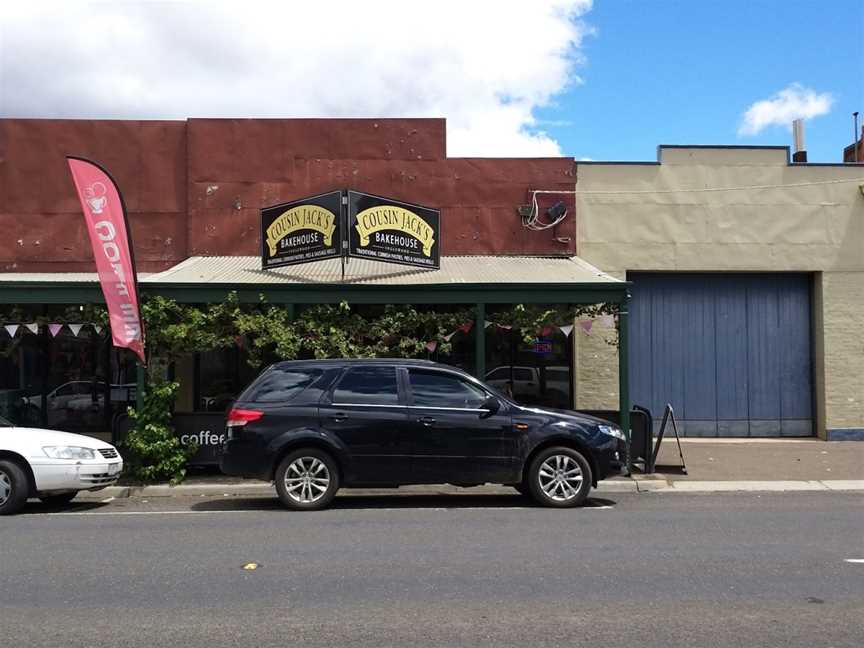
{"x":644,"y":569}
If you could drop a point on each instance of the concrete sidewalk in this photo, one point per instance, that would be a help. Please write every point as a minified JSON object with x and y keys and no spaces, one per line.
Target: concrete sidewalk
{"x":713,"y":465}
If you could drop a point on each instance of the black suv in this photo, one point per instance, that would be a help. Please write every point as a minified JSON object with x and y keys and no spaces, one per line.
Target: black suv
{"x":315,"y":425}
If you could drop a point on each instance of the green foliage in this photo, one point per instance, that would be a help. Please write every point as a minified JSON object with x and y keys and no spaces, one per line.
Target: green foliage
{"x":533,"y":318}
{"x":173,"y":330}
{"x":156,"y":452}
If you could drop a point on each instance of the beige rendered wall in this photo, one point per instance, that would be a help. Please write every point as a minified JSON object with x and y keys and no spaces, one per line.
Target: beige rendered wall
{"x":734,"y":209}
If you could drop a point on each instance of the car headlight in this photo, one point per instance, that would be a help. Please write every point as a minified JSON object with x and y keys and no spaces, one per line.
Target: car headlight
{"x":612,"y":431}
{"x":68,"y":452}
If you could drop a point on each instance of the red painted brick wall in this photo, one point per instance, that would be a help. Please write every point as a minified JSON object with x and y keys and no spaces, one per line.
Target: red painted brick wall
{"x":195,"y":187}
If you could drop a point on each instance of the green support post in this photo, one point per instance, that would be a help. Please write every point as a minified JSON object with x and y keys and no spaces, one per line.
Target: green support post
{"x":480,"y":342}
{"x":624,"y":376}
{"x":140,"y":384}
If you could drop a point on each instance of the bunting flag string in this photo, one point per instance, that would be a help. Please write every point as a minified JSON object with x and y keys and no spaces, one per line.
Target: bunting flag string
{"x":586,"y":325}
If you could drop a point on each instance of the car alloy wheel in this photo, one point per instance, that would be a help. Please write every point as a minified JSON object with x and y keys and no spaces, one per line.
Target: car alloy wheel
{"x":307,"y":480}
{"x":560,"y":478}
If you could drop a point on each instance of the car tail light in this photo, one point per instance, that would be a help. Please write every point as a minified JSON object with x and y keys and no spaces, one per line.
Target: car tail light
{"x":240,"y":417}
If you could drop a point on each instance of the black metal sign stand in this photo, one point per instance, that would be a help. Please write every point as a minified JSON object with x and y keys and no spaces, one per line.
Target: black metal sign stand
{"x":668,"y":415}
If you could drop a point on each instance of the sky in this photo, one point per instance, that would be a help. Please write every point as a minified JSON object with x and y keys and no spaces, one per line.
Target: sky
{"x":601,"y":80}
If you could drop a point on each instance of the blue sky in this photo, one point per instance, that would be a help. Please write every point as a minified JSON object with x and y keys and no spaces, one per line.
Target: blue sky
{"x":652,"y":71}
{"x":667,"y":72}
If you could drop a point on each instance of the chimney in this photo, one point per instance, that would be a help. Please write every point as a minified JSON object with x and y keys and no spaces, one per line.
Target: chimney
{"x":800,"y":154}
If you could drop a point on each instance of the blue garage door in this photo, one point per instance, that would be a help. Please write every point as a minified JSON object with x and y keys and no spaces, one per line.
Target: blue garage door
{"x":730,"y":352}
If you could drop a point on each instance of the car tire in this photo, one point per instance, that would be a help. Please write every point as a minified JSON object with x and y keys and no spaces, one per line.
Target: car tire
{"x":61,"y":499}
{"x":14,"y":487}
{"x":559,"y":477}
{"x":300,"y":477}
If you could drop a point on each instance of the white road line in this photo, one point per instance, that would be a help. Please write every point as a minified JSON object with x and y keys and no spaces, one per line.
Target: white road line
{"x":445,"y":509}
{"x":855,"y":560}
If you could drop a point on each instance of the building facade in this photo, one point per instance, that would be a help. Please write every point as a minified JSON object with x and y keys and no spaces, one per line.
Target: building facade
{"x":746,"y":271}
{"x":748,"y":288}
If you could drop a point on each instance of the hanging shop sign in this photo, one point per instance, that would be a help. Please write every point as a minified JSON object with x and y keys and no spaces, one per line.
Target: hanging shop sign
{"x":389,"y":230}
{"x":350,"y":223}
{"x":302,"y":231}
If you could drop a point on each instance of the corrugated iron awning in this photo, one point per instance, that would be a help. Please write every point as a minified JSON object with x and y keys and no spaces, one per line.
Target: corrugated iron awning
{"x":245,"y":270}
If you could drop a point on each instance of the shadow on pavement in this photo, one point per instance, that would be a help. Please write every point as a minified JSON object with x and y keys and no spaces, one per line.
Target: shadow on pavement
{"x":34,"y":507}
{"x":390,"y":502}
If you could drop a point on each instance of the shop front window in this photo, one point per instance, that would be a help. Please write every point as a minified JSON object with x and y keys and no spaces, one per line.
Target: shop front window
{"x":221,"y":375}
{"x":532,"y":373}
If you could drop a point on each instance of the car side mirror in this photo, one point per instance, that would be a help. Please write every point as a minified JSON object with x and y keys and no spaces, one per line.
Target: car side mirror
{"x":490,"y":406}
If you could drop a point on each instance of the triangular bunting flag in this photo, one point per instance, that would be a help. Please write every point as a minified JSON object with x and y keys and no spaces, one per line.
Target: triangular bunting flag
{"x":54,"y":329}
{"x":566,"y":330}
{"x":449,"y":336}
{"x":12,"y":329}
{"x":98,"y":329}
{"x":75,"y":328}
{"x":586,"y":325}
{"x":431,"y":346}
{"x":547,"y":331}
{"x":466,"y":327}
{"x":506,"y":327}
{"x":33,"y":327}
{"x":486,"y":323}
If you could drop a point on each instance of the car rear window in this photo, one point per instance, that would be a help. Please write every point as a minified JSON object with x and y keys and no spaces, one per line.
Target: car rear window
{"x":280,"y":385}
{"x":368,"y":386}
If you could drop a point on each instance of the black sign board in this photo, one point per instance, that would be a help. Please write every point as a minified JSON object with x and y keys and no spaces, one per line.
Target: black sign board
{"x":204,"y":429}
{"x":388,"y":230}
{"x":302,"y":231}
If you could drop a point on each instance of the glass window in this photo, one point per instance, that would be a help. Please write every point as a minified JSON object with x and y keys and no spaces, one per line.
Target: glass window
{"x":501,"y":373}
{"x":520,"y":373}
{"x":284,"y":384}
{"x":368,"y":385}
{"x":442,"y":390}
{"x":222,"y":374}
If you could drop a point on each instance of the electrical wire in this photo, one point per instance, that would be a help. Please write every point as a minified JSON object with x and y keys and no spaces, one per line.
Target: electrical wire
{"x":532,"y":220}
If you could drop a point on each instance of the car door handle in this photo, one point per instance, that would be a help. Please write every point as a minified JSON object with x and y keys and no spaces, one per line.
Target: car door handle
{"x":338,"y":417}
{"x":428,"y":421}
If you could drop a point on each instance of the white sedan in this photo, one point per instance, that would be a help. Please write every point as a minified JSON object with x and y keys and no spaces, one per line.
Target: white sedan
{"x":51,"y":465}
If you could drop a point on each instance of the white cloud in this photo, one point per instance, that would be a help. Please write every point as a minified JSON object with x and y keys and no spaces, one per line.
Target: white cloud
{"x":486,"y":67}
{"x":792,"y":102}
